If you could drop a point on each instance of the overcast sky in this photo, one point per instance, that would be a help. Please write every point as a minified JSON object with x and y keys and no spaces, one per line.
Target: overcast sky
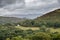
{"x":27,"y":8}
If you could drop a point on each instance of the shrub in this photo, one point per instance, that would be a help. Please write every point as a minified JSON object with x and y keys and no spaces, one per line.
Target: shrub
{"x":40,"y":36}
{"x":55,"y":36}
{"x":17,"y":38}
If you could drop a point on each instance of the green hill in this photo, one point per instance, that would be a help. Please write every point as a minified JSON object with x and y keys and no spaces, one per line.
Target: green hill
{"x":51,"y":16}
{"x":51,"y":19}
{"x":10,"y":19}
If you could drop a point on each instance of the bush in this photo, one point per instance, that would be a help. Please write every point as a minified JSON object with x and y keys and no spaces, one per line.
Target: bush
{"x":40,"y":36}
{"x":55,"y":36}
{"x":17,"y":38}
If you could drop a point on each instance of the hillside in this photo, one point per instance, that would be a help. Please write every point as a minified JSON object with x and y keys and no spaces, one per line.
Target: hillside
{"x":51,"y":16}
{"x":51,"y":19}
{"x":10,"y":19}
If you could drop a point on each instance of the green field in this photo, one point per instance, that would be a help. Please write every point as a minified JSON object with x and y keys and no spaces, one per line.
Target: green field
{"x":26,"y":28}
{"x":38,"y":28}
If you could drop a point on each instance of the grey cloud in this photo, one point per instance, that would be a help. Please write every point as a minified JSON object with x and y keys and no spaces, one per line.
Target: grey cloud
{"x":9,"y":2}
{"x":21,"y":8}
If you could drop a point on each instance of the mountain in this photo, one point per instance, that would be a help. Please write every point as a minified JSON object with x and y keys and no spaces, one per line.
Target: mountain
{"x":10,"y":19}
{"x":51,"y":16}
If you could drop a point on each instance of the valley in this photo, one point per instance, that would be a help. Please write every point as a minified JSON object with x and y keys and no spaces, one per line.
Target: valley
{"x":45,"y":27}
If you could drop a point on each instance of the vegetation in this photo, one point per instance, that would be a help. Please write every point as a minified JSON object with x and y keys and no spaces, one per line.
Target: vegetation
{"x":51,"y":19}
{"x":13,"y":33}
{"x":4,"y":20}
{"x":49,"y":26}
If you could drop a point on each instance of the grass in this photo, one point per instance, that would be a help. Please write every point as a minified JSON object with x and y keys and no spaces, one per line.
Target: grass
{"x":26,"y":28}
{"x":55,"y":30}
{"x":37,"y":28}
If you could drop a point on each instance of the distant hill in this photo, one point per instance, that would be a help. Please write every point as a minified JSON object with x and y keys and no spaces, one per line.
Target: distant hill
{"x":51,"y":16}
{"x":51,"y":19}
{"x":10,"y":19}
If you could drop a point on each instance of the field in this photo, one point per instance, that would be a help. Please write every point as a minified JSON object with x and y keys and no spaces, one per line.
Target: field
{"x":26,"y":28}
{"x":52,"y":30}
{"x":55,"y":30}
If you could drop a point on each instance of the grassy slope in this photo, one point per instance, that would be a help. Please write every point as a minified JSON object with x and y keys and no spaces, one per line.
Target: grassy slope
{"x":10,"y":19}
{"x":52,"y":16}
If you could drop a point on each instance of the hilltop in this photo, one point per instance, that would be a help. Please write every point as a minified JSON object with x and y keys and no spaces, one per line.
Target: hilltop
{"x":10,"y":19}
{"x":51,"y":19}
{"x":51,"y":16}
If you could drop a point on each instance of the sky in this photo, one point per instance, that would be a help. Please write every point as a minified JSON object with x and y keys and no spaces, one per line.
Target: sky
{"x":27,"y":8}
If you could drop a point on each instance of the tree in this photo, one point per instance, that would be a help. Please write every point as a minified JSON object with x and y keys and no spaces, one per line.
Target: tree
{"x":7,"y":38}
{"x":40,"y":36}
{"x":17,"y":38}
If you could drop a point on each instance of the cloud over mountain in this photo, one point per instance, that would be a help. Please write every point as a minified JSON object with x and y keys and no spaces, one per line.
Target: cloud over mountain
{"x":23,"y":8}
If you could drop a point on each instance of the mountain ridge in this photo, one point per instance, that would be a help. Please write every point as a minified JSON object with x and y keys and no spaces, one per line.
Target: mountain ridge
{"x":10,"y":19}
{"x":51,"y":16}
